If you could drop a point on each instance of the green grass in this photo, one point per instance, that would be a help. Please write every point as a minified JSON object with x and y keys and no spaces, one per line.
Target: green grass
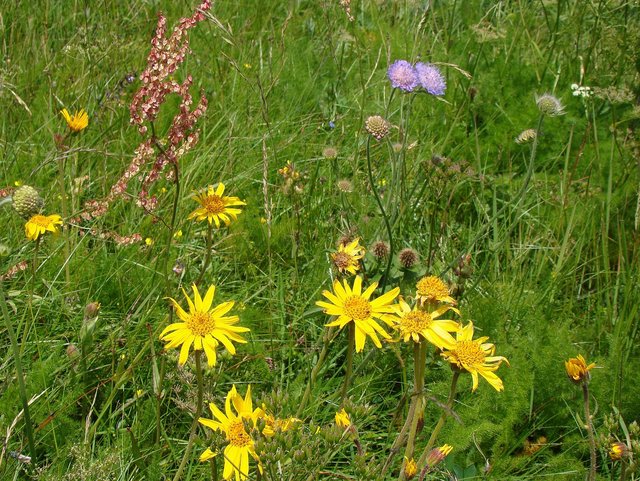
{"x":554,"y":271}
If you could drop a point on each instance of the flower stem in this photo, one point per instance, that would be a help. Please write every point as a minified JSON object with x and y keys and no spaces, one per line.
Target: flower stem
{"x":441,"y":421}
{"x":28,"y":426}
{"x":419,"y":359}
{"x":207,"y":256}
{"x":194,"y":425}
{"x":384,"y":215}
{"x":351,"y":342}
{"x":328,"y":336}
{"x":65,"y":215}
{"x":592,"y":441}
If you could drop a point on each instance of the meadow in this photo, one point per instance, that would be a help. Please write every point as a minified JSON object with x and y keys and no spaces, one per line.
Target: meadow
{"x":421,"y":219}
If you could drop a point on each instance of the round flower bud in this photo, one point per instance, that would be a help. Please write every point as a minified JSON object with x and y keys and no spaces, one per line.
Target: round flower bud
{"x":549,"y":105}
{"x":408,"y":258}
{"x":380,"y":249}
{"x":27,"y":202}
{"x":377,"y":126}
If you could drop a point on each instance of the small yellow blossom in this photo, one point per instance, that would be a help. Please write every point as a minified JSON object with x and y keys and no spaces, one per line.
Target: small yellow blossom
{"x":410,"y":468}
{"x":39,"y":224}
{"x":177,"y":234}
{"x":342,"y":419}
{"x":617,"y":451}
{"x":577,"y":369}
{"x":148,"y":241}
{"x":17,"y":183}
{"x":76,"y":122}
{"x":347,"y":258}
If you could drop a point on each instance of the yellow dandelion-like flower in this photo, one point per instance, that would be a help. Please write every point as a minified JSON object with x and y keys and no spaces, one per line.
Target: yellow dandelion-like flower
{"x":274,"y":424}
{"x":476,"y":357}
{"x":342,"y":419}
{"x":432,"y":289}
{"x":241,"y":445}
{"x":76,"y":122}
{"x":347,"y":258}
{"x":415,"y":324}
{"x":203,"y":327}
{"x":617,"y":450}
{"x":39,"y":224}
{"x":215,"y":207}
{"x":353,"y":305}
{"x":410,"y":468}
{"x":577,"y":369}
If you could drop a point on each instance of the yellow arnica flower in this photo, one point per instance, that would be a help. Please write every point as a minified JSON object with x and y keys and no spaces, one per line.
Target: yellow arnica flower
{"x":203,"y":327}
{"x":342,"y":419}
{"x":274,"y":424}
{"x":432,"y":289}
{"x":76,"y":122}
{"x":415,"y":324}
{"x":214,"y":207}
{"x":39,"y":224}
{"x":410,"y":468}
{"x":241,"y":445}
{"x":353,"y":305}
{"x":347,"y":259}
{"x":577,"y":369}
{"x":476,"y":357}
{"x":617,"y":450}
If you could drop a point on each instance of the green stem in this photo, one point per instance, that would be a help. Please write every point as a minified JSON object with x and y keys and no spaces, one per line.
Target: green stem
{"x":349,"y":367}
{"x":328,"y":336}
{"x":592,"y":441}
{"x":28,"y":426}
{"x":441,"y":421}
{"x":207,"y":257}
{"x":194,"y":425}
{"x":384,"y":215}
{"x":65,"y":215}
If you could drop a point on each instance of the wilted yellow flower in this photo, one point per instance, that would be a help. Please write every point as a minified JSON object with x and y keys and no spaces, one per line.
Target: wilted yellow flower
{"x":203,"y":327}
{"x":215,"y":207}
{"x":76,"y":122}
{"x":432,"y":289}
{"x":347,"y":259}
{"x":241,"y":445}
{"x":353,"y":305}
{"x":39,"y":224}
{"x":577,"y":369}
{"x":274,"y":424}
{"x":476,"y":357}
{"x":410,"y":468}
{"x":416,"y":324}
{"x":437,"y":455}
{"x":617,"y":451}
{"x":342,"y":419}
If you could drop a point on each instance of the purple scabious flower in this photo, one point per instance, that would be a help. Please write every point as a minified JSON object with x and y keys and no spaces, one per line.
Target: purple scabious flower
{"x":430,"y":78}
{"x":403,"y":75}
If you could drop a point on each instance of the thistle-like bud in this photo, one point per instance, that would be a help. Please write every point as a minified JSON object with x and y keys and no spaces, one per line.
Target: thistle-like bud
{"x":27,"y":202}
{"x":549,"y":105}
{"x":377,"y":126}
{"x":380,"y":249}
{"x":408,"y":258}
{"x":526,"y":136}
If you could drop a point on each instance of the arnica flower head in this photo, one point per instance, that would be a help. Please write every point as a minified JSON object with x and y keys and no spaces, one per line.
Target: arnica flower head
{"x":437,"y":455}
{"x":431,"y":79}
{"x":617,"y":450}
{"x":203,"y":326}
{"x":351,"y":304}
{"x":39,"y":224}
{"x":432,"y":289}
{"x":214,"y":207}
{"x":241,"y":445}
{"x":416,"y":324}
{"x":347,"y":258}
{"x":342,"y":419}
{"x":410,"y":468}
{"x":577,"y":369}
{"x":403,"y":75}
{"x":377,"y":126}
{"x":475,"y":356}
{"x":549,"y":105}
{"x":274,"y":424}
{"x":76,"y":122}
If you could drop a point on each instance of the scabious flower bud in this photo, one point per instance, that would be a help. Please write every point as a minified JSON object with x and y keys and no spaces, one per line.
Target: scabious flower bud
{"x":377,"y":126}
{"x":526,"y":136}
{"x":27,"y":202}
{"x":380,"y":249}
{"x":549,"y":105}
{"x":345,"y":185}
{"x":91,"y":310}
{"x":408,"y":258}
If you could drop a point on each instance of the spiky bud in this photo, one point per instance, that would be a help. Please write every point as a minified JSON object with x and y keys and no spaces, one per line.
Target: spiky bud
{"x":408,"y":258}
{"x":27,"y":202}
{"x":380,"y":249}
{"x":377,"y":126}
{"x":549,"y":105}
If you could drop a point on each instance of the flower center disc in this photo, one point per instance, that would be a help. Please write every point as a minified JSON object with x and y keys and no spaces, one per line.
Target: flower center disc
{"x":213,"y":204}
{"x":237,"y":435}
{"x":432,"y":287}
{"x":469,"y":353}
{"x":342,"y":260}
{"x":416,"y":321}
{"x":201,"y":323}
{"x":357,"y":308}
{"x":40,"y":220}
